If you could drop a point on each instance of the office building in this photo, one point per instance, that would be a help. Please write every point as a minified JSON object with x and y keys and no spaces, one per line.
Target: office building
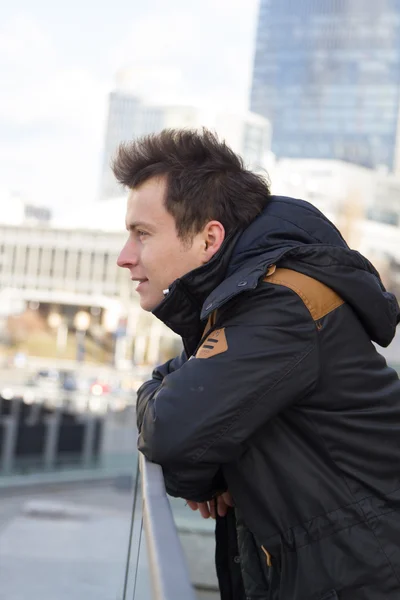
{"x":69,"y":270}
{"x":129,"y":118}
{"x":326,"y":74}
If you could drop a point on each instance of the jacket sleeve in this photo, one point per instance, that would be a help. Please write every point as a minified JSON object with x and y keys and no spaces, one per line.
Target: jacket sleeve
{"x":149,"y":388}
{"x":260,"y":360}
{"x":179,"y":482}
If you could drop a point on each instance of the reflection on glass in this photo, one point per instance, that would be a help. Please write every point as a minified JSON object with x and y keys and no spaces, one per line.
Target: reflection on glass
{"x":142,"y":589}
{"x":137,"y":575}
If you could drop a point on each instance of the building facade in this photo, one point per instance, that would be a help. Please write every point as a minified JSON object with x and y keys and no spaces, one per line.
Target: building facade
{"x":327,"y":76}
{"x":363,"y":203}
{"x":248,"y":134}
{"x":123,"y":117}
{"x":15,"y":209}
{"x":73,"y":270}
{"x":340,"y":189}
{"x":69,"y":260}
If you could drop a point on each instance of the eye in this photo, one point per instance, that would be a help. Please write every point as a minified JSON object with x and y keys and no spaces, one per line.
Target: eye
{"x":141,"y":234}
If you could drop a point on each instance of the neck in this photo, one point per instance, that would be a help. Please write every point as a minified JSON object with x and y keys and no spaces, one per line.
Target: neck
{"x":180,"y":310}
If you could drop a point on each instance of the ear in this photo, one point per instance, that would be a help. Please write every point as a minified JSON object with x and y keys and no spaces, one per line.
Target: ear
{"x":212,"y":236}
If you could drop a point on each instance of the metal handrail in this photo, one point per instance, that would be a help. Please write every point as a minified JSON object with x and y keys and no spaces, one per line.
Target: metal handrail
{"x":168,"y":567}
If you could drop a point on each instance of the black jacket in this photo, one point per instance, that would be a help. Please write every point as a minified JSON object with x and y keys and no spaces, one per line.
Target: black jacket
{"x":286,"y":402}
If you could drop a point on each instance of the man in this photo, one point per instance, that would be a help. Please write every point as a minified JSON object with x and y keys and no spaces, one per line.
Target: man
{"x":279,"y":395}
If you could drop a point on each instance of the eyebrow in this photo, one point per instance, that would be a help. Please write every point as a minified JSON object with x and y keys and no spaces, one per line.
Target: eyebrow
{"x":137,"y":225}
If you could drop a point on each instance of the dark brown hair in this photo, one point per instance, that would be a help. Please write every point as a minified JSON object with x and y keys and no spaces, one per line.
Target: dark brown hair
{"x":206,"y":180}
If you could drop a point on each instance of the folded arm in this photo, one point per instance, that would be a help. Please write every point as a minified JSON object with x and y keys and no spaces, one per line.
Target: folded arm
{"x":261,"y":359}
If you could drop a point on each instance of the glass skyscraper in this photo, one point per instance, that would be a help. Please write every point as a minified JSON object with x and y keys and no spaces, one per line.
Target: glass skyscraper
{"x":327,"y":75}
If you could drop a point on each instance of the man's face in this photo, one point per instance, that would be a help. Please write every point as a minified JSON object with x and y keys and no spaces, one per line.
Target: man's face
{"x":153,"y":253}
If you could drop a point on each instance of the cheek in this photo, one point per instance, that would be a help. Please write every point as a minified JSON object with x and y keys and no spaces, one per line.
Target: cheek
{"x":155,"y":258}
{"x":163,"y":262}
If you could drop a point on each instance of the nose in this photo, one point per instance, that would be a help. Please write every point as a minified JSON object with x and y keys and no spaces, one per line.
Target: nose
{"x":128,"y":256}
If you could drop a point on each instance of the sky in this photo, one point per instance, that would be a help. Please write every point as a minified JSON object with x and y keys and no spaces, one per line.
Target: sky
{"x":58,"y":63}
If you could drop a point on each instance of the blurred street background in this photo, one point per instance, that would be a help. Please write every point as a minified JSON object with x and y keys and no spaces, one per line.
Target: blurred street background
{"x":307,"y":92}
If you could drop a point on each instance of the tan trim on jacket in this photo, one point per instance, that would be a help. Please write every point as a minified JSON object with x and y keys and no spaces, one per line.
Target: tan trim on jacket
{"x":318,"y":297}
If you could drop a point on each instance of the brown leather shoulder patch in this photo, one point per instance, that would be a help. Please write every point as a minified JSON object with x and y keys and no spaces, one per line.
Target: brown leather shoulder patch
{"x":318,"y":297}
{"x":214,"y":344}
{"x":211,"y":322}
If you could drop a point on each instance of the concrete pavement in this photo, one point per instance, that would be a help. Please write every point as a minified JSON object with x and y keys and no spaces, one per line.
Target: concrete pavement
{"x":71,"y":542}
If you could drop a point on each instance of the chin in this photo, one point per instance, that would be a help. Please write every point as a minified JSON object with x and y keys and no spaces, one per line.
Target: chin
{"x":145,"y":305}
{"x":149,"y":304}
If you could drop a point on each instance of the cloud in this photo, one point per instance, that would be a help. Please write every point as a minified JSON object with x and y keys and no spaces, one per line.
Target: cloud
{"x":206,"y":46}
{"x":51,"y":119}
{"x":36,"y":89}
{"x":68,"y":98}
{"x":25,"y":55}
{"x":53,"y":99}
{"x":22,"y":40}
{"x":51,"y":171}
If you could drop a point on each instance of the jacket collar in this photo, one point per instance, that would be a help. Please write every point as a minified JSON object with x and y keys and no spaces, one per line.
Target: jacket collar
{"x":181,"y":308}
{"x":242,"y":260}
{"x":287,"y":230}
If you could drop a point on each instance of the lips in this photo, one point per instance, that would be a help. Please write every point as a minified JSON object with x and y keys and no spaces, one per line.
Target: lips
{"x":139,"y":279}
{"x":142,"y":282}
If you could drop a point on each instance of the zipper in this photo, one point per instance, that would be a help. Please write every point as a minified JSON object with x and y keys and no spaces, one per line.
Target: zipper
{"x":274,"y":562}
{"x":267,"y":556}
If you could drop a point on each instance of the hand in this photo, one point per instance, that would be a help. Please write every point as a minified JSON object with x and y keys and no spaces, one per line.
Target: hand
{"x":207,"y":509}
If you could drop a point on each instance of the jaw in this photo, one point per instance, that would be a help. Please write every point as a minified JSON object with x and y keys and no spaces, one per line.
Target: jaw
{"x":149,"y":298}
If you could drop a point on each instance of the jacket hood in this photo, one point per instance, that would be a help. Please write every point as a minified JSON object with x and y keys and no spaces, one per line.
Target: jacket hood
{"x":290,"y":233}
{"x":297,"y":235}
